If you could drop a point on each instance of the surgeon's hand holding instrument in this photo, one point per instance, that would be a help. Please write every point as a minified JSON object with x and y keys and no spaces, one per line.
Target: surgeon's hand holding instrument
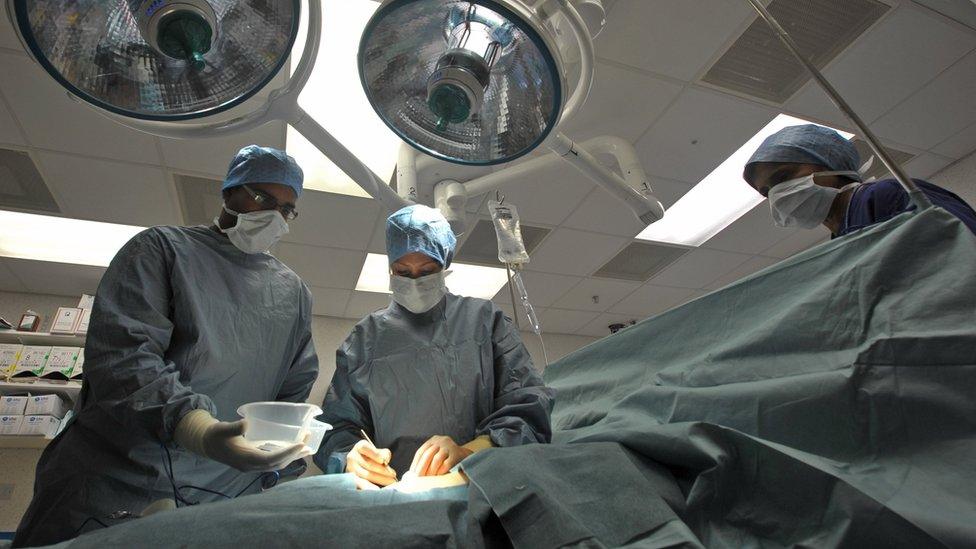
{"x":370,"y":463}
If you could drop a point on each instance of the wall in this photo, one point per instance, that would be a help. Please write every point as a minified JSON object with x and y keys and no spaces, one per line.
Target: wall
{"x":17,"y":466}
{"x":960,"y":178}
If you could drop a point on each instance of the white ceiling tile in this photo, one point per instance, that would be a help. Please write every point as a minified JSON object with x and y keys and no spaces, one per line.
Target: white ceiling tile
{"x":650,"y":300}
{"x":543,"y":288}
{"x":754,"y":265}
{"x":113,"y":192}
{"x":559,"y":321}
{"x":322,"y":267}
{"x":926,"y":165}
{"x":377,"y":243}
{"x":600,"y":326}
{"x":700,"y":131}
{"x":602,"y":212}
{"x":548,"y":197}
{"x":937,"y":112}
{"x":698,"y":268}
{"x":622,"y":103}
{"x":669,"y":191}
{"x":8,"y":281}
{"x":213,"y":155}
{"x":606,"y":293}
{"x":333,"y":220}
{"x":9,"y":133}
{"x":364,"y":303}
{"x":8,"y":36}
{"x":960,"y":145}
{"x":751,"y":233}
{"x":882,"y":69}
{"x":570,"y":252}
{"x":54,"y":121}
{"x":329,"y":301}
{"x":42,"y":277}
{"x":672,"y":37}
{"x":797,"y":242}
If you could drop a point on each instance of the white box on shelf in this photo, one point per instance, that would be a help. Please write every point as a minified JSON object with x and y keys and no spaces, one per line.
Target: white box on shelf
{"x":46,"y":405}
{"x":86,"y":301}
{"x":83,"y":322}
{"x":11,"y":405}
{"x":61,"y":362}
{"x":9,"y":355}
{"x":66,"y":321}
{"x":10,"y":425}
{"x":79,"y":366}
{"x":32,"y":361}
{"x":40,"y":425}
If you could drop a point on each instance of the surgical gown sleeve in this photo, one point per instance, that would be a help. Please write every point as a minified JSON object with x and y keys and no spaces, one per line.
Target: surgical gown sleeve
{"x":126,"y":369}
{"x":522,"y":402}
{"x":305,"y":366}
{"x":346,"y":406}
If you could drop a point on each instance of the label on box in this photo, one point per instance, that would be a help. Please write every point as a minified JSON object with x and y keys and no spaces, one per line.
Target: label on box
{"x":83,"y":322}
{"x":9,"y":355}
{"x":13,"y":405}
{"x":61,"y":362}
{"x":32,"y":360}
{"x":45,"y":405}
{"x":40,"y":425}
{"x":10,"y":425}
{"x":66,"y":320}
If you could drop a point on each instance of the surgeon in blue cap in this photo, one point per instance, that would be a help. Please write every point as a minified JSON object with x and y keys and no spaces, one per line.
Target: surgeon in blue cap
{"x":432,"y":378}
{"x":188,"y":324}
{"x":813,"y":176}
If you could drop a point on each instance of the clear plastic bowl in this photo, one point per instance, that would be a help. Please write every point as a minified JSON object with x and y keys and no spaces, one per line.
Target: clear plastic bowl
{"x":316,"y":430}
{"x":278,"y":423}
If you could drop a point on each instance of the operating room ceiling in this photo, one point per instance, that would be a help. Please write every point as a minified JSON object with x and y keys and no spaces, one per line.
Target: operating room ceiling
{"x":911,"y":74}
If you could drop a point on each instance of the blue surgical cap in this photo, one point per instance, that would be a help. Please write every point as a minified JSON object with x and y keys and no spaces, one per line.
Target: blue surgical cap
{"x":254,"y":164}
{"x":418,"y":228}
{"x":807,"y":144}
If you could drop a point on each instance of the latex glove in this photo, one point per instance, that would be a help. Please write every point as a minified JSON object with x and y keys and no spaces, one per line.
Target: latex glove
{"x":223,"y":441}
{"x":414,"y":484}
{"x":437,"y":456}
{"x":370,"y":463}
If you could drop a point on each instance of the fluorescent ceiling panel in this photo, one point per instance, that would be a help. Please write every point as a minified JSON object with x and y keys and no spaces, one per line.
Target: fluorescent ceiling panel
{"x":719,"y":199}
{"x":61,"y":240}
{"x":334,"y":98}
{"x":466,"y":280}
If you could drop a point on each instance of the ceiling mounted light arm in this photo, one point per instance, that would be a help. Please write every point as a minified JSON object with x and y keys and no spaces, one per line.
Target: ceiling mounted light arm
{"x":918,"y":197}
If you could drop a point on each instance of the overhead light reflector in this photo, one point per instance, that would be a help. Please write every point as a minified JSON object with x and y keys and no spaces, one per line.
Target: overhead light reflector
{"x":464,"y":280}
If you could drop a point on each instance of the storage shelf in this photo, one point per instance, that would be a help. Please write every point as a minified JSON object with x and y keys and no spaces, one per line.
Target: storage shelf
{"x":41,"y":338}
{"x":27,"y":442}
{"x":69,"y":389}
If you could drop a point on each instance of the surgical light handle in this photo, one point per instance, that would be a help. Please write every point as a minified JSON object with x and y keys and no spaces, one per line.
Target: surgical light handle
{"x":918,"y":197}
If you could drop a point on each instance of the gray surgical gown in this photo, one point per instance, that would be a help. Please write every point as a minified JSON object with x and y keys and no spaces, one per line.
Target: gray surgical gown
{"x":182,"y":320}
{"x":459,"y":370}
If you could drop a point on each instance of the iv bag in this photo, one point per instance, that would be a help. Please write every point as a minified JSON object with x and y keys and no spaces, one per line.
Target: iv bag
{"x":511,"y":249}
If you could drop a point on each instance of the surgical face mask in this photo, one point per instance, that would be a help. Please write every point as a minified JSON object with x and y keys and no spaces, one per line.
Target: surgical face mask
{"x":418,"y":295}
{"x":802,"y":203}
{"x":255,"y":232}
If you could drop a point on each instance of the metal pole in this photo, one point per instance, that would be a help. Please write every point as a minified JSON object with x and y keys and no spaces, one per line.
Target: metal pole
{"x":918,"y":197}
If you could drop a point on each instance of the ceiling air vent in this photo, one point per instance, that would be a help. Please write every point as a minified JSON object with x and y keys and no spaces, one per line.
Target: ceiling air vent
{"x":21,"y":185}
{"x":759,"y":65}
{"x":482,"y":246}
{"x":640,"y":261}
{"x":200,"y":199}
{"x":878,"y":169}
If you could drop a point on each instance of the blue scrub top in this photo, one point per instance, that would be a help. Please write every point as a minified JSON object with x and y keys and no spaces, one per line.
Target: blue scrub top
{"x":880,"y":201}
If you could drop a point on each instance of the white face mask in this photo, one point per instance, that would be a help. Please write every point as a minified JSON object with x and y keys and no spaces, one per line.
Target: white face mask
{"x":802,"y":203}
{"x":418,"y":295}
{"x":255,"y":232}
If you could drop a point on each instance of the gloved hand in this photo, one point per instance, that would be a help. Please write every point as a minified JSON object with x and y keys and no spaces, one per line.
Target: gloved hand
{"x":440,"y":453}
{"x":223,"y":441}
{"x":370,"y":464}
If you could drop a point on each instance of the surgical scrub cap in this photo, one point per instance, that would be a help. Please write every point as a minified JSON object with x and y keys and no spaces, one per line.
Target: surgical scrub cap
{"x":418,"y":228}
{"x":807,"y":144}
{"x":254,"y":164}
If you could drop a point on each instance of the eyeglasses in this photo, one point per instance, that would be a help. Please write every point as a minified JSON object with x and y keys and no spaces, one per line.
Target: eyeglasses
{"x":268,"y":202}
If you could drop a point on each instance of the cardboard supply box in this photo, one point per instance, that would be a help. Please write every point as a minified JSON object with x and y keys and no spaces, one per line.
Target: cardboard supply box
{"x":66,"y":320}
{"x":32,"y":361}
{"x":61,"y":362}
{"x":9,"y":355}
{"x":46,"y":405}
{"x":83,"y":322}
{"x":40,"y":425}
{"x":10,"y":425}
{"x":13,"y":405}
{"x":79,"y":366}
